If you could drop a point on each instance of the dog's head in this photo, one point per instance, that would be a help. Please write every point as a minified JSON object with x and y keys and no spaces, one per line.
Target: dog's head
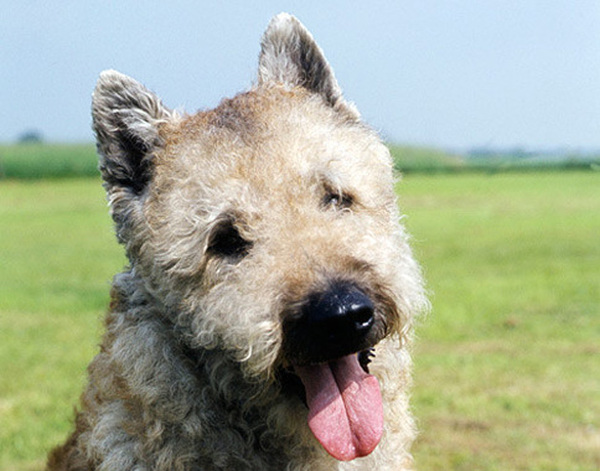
{"x":268,"y":226}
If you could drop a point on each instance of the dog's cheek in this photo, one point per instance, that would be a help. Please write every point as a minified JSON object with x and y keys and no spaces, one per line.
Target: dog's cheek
{"x":238,"y":318}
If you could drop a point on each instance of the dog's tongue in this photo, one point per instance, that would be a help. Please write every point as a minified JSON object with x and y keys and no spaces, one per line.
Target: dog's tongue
{"x":345,"y":410}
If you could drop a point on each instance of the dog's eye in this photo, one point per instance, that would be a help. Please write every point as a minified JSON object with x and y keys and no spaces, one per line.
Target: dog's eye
{"x":226,"y":242}
{"x":337,"y":200}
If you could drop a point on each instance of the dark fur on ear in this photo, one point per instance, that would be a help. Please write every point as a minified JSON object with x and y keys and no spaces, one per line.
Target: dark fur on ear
{"x":126,"y":117}
{"x":290,"y":56}
{"x":126,"y":120}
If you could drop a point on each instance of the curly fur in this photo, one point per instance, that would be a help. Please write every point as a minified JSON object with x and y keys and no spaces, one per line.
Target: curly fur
{"x":188,"y":376}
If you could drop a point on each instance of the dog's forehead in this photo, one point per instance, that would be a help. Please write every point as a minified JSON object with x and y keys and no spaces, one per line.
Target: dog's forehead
{"x":273,"y":144}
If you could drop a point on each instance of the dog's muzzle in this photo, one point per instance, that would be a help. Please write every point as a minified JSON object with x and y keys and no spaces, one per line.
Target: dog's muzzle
{"x":330,"y":324}
{"x":327,"y":342}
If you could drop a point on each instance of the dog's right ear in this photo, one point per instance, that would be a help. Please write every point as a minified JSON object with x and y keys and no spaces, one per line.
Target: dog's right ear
{"x":126,"y":118}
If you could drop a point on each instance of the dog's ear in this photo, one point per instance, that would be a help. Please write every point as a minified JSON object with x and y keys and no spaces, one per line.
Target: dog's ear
{"x":126,"y":117}
{"x":289,"y":55}
{"x":126,"y":120}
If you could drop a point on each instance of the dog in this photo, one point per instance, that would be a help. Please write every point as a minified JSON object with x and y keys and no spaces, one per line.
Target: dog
{"x":265,"y":318}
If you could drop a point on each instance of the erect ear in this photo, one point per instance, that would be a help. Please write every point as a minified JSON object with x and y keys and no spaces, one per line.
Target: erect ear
{"x":289,"y":55}
{"x":126,"y":118}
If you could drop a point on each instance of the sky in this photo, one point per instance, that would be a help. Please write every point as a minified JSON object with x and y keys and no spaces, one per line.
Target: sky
{"x":454,"y":74}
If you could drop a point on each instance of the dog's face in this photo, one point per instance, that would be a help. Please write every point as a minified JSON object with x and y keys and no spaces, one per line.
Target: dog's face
{"x":269,"y":225}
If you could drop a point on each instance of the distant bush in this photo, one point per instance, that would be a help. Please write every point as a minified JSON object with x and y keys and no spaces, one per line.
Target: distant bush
{"x":31,"y":136}
{"x":428,"y":160}
{"x":409,"y":159}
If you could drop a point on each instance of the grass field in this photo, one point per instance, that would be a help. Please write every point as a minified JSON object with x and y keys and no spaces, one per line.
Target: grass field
{"x":42,"y":161}
{"x":35,"y":161}
{"x":507,"y":370}
{"x":508,"y":364}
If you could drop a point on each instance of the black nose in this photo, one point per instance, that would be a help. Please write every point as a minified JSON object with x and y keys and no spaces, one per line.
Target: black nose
{"x":331,"y":323}
{"x":341,"y":314}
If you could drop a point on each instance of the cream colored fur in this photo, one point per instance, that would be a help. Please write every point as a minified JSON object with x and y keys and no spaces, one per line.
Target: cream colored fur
{"x":187,"y":376}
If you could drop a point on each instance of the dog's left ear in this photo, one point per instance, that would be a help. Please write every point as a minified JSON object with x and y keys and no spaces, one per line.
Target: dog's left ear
{"x":289,"y":55}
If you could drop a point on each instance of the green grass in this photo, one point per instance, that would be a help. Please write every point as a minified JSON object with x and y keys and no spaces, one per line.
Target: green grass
{"x":507,"y":366}
{"x":408,"y":159}
{"x":35,"y":161}
{"x":57,"y":256}
{"x":38,"y":161}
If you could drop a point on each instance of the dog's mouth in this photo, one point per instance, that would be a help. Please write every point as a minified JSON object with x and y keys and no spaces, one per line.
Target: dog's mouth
{"x":344,"y":403}
{"x":328,"y":340}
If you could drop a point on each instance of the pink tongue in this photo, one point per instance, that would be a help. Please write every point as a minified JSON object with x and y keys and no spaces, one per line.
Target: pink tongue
{"x":345,"y":410}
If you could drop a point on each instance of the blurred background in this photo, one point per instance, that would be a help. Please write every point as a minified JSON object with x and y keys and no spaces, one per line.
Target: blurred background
{"x":450,"y":74}
{"x":492,"y":114}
